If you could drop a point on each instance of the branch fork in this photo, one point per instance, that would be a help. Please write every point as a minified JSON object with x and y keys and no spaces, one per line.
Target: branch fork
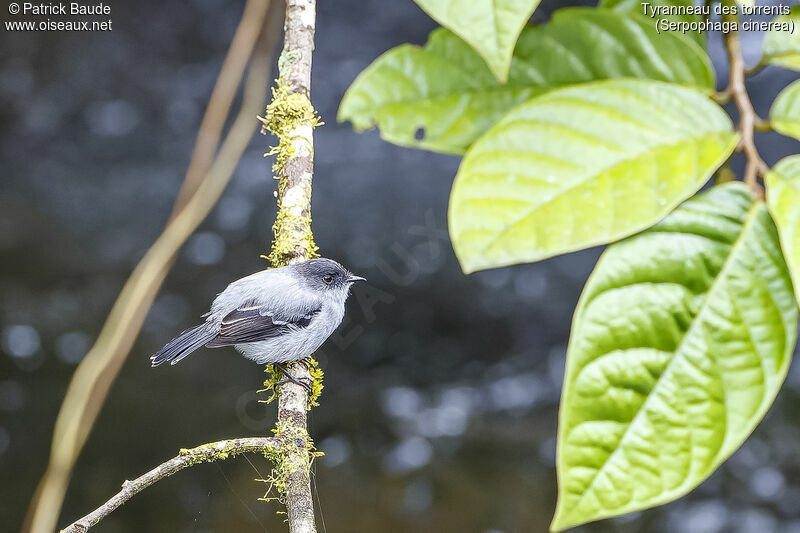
{"x":749,"y":121}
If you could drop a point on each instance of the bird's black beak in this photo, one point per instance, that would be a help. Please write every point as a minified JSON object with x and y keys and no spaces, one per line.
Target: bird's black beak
{"x":353,"y":279}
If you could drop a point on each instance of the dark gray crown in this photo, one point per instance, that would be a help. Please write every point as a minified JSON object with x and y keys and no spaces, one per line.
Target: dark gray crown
{"x":316,"y":267}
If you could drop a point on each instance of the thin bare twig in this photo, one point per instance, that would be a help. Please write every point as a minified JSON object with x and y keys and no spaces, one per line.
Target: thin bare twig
{"x":94,"y":376}
{"x":748,"y":119}
{"x":214,"y":451}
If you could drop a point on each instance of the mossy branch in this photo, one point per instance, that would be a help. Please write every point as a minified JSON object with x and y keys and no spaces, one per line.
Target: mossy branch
{"x":292,"y":119}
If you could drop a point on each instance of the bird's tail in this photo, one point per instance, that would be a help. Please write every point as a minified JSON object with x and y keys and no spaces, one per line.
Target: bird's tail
{"x":185,"y":343}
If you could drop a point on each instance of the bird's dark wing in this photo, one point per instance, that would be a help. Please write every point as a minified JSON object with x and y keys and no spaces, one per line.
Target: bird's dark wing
{"x":250,"y":324}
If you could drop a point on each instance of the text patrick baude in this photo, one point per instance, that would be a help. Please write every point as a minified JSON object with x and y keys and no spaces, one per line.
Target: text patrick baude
{"x":74,"y":8}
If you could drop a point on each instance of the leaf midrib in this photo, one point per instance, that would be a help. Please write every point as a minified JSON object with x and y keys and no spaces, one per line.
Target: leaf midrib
{"x":697,"y":320}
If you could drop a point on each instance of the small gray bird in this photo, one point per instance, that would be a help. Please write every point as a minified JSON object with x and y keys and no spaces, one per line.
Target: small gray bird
{"x":274,"y":316}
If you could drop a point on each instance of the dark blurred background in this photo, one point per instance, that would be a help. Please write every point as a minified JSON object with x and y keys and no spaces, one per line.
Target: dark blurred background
{"x":441,"y":390}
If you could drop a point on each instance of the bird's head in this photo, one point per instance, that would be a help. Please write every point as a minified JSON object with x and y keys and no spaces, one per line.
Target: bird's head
{"x":326,"y":275}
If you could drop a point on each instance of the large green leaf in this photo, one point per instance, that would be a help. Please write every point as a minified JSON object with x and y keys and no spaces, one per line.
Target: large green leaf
{"x":783,"y":199}
{"x":582,"y":166}
{"x":491,"y":27}
{"x":782,"y":47}
{"x":445,"y":92}
{"x":637,"y":6}
{"x":680,"y":342}
{"x":785,"y":112}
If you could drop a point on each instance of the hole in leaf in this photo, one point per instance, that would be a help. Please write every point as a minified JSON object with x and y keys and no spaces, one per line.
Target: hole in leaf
{"x":419,"y":135}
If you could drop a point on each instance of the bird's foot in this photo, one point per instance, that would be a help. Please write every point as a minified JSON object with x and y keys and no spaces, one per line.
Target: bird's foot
{"x":309,"y":363}
{"x":291,"y":379}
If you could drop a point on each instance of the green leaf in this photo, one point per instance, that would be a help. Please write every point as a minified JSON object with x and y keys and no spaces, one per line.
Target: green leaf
{"x":782,"y":47}
{"x":445,"y":91}
{"x":783,"y":199}
{"x":582,"y":166}
{"x":785,"y":112}
{"x":680,"y":342}
{"x":491,"y":27}
{"x":635,"y":6}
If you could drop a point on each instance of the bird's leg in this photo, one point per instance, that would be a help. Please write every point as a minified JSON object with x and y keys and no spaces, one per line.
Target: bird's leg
{"x":292,"y":379}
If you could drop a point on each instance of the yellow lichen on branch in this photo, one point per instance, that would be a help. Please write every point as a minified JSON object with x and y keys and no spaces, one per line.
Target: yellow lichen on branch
{"x":275,"y":376}
{"x":285,"y":248}
{"x":284,"y":113}
{"x":292,"y":436}
{"x":286,"y":460}
{"x":291,"y":118}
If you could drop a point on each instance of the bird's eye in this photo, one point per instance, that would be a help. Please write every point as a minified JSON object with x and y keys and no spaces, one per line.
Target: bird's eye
{"x":327,"y":278}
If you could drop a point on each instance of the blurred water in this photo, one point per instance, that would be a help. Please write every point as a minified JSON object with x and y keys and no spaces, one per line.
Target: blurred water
{"x":439,"y":412}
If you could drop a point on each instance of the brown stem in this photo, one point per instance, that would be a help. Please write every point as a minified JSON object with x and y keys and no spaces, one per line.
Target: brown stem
{"x":748,"y":120}
{"x":214,"y":451}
